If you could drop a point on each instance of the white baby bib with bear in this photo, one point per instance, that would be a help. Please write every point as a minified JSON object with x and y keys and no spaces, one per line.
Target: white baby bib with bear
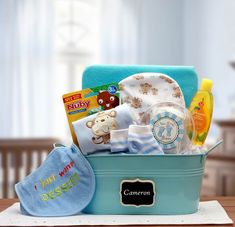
{"x":142,"y":90}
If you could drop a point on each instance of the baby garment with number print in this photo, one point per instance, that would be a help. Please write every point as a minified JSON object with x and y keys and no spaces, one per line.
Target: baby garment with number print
{"x":140,"y":91}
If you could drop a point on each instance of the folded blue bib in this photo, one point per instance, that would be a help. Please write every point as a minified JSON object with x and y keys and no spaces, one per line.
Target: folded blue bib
{"x":63,"y":185}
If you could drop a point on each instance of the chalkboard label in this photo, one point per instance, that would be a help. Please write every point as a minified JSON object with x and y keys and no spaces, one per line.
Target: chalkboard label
{"x":137,"y":192}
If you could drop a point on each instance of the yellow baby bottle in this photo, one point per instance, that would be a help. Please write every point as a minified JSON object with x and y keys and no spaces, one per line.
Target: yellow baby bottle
{"x":201,"y":109}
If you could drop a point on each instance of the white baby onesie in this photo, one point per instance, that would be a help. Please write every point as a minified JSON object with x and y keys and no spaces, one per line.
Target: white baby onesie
{"x":93,"y":132}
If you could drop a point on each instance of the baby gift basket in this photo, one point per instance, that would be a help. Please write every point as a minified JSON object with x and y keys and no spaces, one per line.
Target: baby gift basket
{"x":142,"y":184}
{"x":137,"y":148}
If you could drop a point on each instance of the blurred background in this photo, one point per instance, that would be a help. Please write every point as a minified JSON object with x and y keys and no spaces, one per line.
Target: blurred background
{"x":45,"y":46}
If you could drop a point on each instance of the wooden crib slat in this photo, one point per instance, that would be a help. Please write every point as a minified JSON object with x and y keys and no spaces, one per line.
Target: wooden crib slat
{"x":5,"y":173}
{"x":17,"y":157}
{"x":28,"y":162}
{"x":39,"y":158}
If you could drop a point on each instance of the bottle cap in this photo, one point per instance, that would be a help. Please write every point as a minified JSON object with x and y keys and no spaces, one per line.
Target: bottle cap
{"x":206,"y":85}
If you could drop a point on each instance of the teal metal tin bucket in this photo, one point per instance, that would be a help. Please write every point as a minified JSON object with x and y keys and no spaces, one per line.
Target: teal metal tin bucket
{"x":136,"y":184}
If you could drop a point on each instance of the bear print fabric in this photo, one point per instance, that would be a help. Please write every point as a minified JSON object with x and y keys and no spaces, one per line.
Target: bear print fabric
{"x":63,"y":185}
{"x":93,"y":132}
{"x":140,"y":91}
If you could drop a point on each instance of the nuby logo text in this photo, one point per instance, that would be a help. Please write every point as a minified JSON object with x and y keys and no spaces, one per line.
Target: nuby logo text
{"x":78,"y":104}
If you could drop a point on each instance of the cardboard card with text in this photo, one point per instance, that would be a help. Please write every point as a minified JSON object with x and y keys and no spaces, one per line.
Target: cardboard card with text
{"x":80,"y":104}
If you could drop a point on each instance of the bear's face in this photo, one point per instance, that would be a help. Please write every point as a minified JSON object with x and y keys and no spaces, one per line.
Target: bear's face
{"x":136,"y":103}
{"x":139,"y":77}
{"x":107,"y":100}
{"x":177,"y":92}
{"x":145,"y":87}
{"x":103,"y":123}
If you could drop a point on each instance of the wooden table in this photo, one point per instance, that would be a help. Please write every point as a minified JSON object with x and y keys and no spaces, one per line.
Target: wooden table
{"x":227,"y":202}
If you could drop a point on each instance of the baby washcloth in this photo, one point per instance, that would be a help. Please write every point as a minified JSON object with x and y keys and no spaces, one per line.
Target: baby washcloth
{"x":93,"y":132}
{"x":140,"y":91}
{"x":63,"y":185}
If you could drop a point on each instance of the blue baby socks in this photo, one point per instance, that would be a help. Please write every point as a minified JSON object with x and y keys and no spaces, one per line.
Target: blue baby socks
{"x":63,"y":185}
{"x":142,"y":141}
{"x":138,"y":139}
{"x":118,"y":140}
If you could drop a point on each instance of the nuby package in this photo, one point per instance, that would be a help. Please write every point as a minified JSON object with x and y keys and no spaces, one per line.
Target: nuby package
{"x":80,"y":104}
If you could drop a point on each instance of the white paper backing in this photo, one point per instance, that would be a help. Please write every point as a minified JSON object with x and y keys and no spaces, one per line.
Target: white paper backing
{"x":209,"y":213}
